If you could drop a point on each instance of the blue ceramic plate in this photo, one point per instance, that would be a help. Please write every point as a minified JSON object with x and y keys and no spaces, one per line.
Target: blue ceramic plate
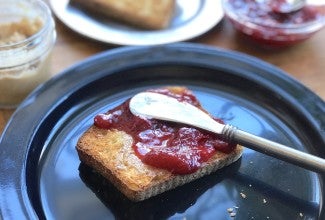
{"x":41,"y":175}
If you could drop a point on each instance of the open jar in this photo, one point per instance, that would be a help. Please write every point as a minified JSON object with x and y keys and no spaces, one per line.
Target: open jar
{"x":27,"y":37}
{"x":259,"y":22}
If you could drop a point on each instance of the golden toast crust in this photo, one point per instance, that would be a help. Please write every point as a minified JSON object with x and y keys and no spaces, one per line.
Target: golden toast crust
{"x":148,"y":14}
{"x":110,"y":153}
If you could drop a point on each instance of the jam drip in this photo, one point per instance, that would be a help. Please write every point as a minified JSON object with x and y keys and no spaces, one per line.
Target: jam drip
{"x":178,"y":148}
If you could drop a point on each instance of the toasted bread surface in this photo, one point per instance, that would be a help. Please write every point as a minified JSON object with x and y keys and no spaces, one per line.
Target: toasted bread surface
{"x":148,"y":14}
{"x":110,"y":153}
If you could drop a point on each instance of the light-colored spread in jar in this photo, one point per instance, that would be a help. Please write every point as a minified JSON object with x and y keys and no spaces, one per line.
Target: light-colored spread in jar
{"x":13,"y":32}
{"x":16,"y":85}
{"x":17,"y":81}
{"x":27,"y":37}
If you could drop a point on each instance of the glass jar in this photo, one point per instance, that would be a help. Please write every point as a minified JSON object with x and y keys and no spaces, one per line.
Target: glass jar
{"x":27,"y":37}
{"x":259,"y":22}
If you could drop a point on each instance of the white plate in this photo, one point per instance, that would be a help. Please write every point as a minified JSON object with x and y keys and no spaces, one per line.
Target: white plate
{"x":192,"y":18}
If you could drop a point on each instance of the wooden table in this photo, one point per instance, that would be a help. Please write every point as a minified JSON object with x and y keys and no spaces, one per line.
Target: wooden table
{"x":305,"y":62}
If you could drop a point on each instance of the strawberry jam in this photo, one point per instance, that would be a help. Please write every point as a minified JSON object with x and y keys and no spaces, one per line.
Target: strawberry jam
{"x":262,"y":23}
{"x":175,"y":147}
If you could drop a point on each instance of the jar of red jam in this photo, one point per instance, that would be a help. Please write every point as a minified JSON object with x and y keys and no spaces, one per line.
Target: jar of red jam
{"x":259,"y":21}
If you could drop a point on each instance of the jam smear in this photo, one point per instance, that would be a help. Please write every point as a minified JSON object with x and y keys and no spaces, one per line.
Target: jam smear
{"x":175,"y":147}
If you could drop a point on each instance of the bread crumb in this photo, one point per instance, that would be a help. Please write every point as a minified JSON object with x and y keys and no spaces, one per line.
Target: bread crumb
{"x":264,"y":201}
{"x":243,"y":195}
{"x":301,"y":215}
{"x":230,"y":210}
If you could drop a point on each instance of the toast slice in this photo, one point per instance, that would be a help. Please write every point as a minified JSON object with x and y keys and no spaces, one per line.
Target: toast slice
{"x":110,"y":153}
{"x":147,"y":14}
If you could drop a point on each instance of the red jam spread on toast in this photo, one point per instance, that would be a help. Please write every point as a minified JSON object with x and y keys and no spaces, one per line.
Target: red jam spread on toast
{"x":175,"y":147}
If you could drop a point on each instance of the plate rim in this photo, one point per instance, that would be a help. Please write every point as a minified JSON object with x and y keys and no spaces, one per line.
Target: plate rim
{"x":211,"y":8}
{"x":160,"y":52}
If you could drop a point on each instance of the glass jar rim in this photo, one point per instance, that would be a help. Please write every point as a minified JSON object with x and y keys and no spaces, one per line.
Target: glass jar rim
{"x":306,"y":26}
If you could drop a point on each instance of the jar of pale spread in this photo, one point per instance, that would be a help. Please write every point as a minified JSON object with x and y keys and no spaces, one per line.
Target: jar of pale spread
{"x":27,"y":36}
